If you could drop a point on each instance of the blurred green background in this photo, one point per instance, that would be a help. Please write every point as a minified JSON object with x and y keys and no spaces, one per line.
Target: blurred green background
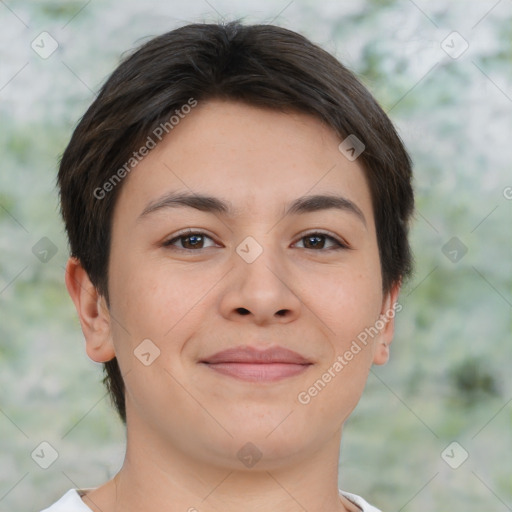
{"x":448,"y":379}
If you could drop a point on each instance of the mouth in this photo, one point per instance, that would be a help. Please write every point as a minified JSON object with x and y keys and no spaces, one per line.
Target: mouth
{"x":252,"y":365}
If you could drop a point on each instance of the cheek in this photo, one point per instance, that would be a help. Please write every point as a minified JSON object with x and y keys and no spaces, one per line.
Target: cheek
{"x":138,"y":306}
{"x":348,"y":301}
{"x":156,"y":300}
{"x":138,"y":288}
{"x":349,"y":306}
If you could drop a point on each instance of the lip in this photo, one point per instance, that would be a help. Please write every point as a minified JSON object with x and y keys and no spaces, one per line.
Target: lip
{"x":253,"y":365}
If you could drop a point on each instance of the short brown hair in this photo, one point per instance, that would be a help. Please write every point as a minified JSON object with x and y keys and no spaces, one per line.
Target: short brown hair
{"x":263,"y":65}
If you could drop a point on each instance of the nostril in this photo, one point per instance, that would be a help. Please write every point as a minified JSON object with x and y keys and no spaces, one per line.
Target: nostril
{"x":243,"y":311}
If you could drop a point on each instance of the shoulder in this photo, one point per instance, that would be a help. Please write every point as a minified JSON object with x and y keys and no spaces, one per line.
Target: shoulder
{"x":70,"y":502}
{"x":360,"y":502}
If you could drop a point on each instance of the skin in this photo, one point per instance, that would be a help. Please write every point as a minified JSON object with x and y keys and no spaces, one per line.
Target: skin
{"x":186,"y":422}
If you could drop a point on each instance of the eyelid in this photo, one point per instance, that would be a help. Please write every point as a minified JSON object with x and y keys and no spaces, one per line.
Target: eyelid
{"x":188,"y":231}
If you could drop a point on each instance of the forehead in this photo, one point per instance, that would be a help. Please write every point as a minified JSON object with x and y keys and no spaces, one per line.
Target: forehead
{"x":256,"y":160}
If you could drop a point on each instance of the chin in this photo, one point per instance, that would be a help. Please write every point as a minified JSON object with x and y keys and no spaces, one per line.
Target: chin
{"x":264,"y":448}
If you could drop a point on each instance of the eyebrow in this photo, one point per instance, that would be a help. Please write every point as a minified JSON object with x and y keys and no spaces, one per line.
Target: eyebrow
{"x":210,"y":204}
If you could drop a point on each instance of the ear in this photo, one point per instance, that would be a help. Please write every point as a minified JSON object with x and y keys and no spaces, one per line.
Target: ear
{"x":389,"y":309}
{"x":92,"y":311}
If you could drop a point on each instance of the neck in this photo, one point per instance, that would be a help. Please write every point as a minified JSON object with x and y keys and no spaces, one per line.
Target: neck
{"x":157,"y":476}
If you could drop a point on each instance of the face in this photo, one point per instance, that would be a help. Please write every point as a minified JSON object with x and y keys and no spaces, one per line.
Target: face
{"x":241,"y":319}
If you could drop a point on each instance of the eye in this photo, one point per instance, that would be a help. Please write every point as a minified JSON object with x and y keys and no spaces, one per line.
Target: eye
{"x":192,"y":240}
{"x":189,"y":240}
{"x":316,"y":240}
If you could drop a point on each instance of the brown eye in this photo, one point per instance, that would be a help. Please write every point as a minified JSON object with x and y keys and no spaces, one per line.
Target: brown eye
{"x":318,"y":241}
{"x":189,"y":241}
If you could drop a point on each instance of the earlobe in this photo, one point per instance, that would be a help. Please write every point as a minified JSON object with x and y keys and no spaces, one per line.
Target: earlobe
{"x":92,"y":312}
{"x":389,"y":309}
{"x":381,"y":353}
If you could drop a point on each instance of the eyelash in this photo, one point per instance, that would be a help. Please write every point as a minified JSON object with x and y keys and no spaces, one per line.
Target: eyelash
{"x":339,"y":244}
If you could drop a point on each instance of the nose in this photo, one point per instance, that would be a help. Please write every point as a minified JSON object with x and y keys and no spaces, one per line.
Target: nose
{"x":260,"y":291}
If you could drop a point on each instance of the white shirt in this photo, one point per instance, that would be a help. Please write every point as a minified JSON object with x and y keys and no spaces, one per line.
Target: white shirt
{"x":72,"y":502}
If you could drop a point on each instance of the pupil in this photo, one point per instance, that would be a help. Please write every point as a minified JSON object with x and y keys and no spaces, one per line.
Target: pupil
{"x":315,"y":238}
{"x":194,"y":240}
